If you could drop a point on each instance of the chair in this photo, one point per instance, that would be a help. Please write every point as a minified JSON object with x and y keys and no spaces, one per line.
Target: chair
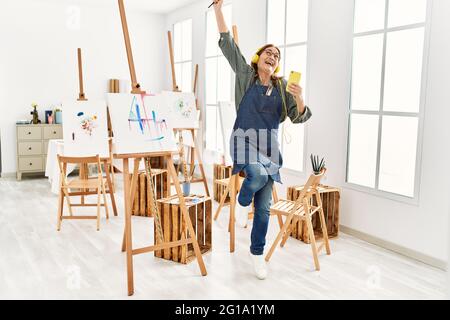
{"x":84,"y":185}
{"x":302,"y":209}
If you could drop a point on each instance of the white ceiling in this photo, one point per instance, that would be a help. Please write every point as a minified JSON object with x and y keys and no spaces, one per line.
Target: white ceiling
{"x":155,"y":6}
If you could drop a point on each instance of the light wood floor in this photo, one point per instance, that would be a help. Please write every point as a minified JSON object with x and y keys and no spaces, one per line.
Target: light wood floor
{"x":36,"y":262}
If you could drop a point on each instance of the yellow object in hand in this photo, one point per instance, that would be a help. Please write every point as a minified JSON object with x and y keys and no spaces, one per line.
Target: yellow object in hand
{"x":294,"y":78}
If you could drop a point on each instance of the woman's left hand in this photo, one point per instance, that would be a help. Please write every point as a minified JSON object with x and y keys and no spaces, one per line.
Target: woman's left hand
{"x":296,"y":91}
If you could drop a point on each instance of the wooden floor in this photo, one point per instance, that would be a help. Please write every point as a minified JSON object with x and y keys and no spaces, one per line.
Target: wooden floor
{"x":36,"y":262}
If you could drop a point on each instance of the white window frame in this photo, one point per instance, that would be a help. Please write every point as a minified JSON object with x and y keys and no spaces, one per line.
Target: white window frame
{"x":292,"y":172}
{"x":182,"y":62}
{"x":219,"y":55}
{"x":415,"y":200}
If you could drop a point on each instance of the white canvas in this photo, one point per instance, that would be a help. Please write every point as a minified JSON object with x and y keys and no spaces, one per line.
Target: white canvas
{"x":140,"y":125}
{"x":227,"y":118}
{"x":85,"y":129}
{"x":181,"y":108}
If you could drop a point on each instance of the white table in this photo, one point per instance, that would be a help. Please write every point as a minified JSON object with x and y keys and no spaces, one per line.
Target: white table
{"x":55,"y":147}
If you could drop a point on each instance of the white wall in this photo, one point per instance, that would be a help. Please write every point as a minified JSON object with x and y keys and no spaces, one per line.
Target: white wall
{"x":423,"y":228}
{"x":38,"y":58}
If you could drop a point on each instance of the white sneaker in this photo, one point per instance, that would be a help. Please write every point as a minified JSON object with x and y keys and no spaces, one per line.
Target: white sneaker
{"x":259,"y":266}
{"x":241,"y":214}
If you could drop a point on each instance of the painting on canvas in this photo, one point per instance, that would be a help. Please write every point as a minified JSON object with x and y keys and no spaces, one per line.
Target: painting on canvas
{"x":85,"y":129}
{"x":139,"y":124}
{"x":227,"y":117}
{"x":181,"y":107}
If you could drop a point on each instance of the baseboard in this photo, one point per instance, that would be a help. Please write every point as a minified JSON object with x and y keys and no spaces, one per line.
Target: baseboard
{"x":8,"y":175}
{"x":438,"y":263}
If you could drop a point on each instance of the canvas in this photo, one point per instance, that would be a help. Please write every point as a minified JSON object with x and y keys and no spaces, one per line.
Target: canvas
{"x":182,"y":109}
{"x":140,"y":124}
{"x":227,"y":118}
{"x":85,"y":129}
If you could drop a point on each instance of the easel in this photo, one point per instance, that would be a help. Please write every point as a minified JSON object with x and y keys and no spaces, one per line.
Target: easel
{"x":107,"y":162}
{"x":81,"y":96}
{"x":130,"y":189}
{"x":195,"y":150}
{"x":135,"y":86}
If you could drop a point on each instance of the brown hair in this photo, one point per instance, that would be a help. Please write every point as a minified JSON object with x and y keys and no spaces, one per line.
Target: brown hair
{"x":255,"y":65}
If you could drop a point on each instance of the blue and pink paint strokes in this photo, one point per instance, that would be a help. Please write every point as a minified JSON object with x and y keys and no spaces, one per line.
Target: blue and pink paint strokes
{"x":139,"y":119}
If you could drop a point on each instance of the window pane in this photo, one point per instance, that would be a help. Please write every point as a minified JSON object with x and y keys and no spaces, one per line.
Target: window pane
{"x":366,"y":78}
{"x":293,"y":151}
{"x":223,"y":80}
{"x":296,"y":61}
{"x":297,"y":21}
{"x":211,"y":80}
{"x":363,"y":144}
{"x":404,"y":12}
{"x":177,"y":42}
{"x":187,"y":40}
{"x":369,"y":15}
{"x":275,"y":23}
{"x":212,"y":35}
{"x":398,"y":155}
{"x":404,"y":55}
{"x":186,"y":85}
{"x":211,"y":127}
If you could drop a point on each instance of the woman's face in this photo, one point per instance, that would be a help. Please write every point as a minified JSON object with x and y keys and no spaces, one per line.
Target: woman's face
{"x":269,"y":60}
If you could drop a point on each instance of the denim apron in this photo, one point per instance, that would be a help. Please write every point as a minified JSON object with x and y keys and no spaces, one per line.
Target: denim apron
{"x":255,"y":132}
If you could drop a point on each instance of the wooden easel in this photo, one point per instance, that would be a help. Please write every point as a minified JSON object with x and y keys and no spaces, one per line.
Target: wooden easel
{"x":135,"y":86}
{"x":131,"y":186}
{"x":81,"y":96}
{"x":195,"y":151}
{"x":107,"y":162}
{"x":129,"y":192}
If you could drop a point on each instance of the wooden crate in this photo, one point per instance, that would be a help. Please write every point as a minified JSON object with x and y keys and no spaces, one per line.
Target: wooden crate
{"x":220,"y":172}
{"x":174,"y":227}
{"x":330,"y":200}
{"x":142,"y":200}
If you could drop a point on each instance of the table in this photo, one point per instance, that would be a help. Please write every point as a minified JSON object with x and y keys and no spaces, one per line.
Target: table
{"x":55,"y":147}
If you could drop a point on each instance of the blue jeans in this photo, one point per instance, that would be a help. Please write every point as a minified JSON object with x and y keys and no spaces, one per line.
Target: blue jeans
{"x":257,"y":184}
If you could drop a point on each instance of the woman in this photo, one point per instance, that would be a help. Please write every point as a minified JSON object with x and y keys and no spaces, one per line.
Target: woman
{"x":262,"y":103}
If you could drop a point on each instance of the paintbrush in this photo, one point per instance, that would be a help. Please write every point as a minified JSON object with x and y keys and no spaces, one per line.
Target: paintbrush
{"x":212,"y":4}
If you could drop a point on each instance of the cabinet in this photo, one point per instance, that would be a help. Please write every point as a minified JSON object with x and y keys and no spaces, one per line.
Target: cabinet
{"x":32,"y":145}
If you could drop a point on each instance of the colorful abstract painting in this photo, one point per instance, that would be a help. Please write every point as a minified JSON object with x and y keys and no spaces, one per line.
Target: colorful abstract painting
{"x":85,"y":129}
{"x":140,"y":124}
{"x":182,"y":109}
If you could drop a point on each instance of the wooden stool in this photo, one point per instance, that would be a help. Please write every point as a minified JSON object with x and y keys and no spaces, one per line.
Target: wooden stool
{"x":302,"y":209}
{"x":85,"y":185}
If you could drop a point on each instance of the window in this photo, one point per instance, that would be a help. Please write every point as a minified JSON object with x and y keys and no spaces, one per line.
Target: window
{"x":385,"y":108}
{"x":287,"y":28}
{"x":218,"y":79}
{"x":183,"y":54}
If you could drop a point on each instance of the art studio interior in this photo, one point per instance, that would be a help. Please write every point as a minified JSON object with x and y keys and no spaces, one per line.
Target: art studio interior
{"x":224,"y":149}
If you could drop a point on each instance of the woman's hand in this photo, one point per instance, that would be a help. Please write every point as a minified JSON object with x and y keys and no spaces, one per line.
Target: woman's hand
{"x":297,"y":93}
{"x":218,"y":4}
{"x":221,"y":24}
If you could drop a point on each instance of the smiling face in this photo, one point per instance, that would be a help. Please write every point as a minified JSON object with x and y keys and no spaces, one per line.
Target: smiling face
{"x":269,"y":60}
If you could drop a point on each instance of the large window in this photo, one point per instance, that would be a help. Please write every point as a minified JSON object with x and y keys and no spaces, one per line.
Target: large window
{"x":287,"y":28}
{"x":183,"y":54}
{"x":386,"y":95}
{"x":218,"y":79}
